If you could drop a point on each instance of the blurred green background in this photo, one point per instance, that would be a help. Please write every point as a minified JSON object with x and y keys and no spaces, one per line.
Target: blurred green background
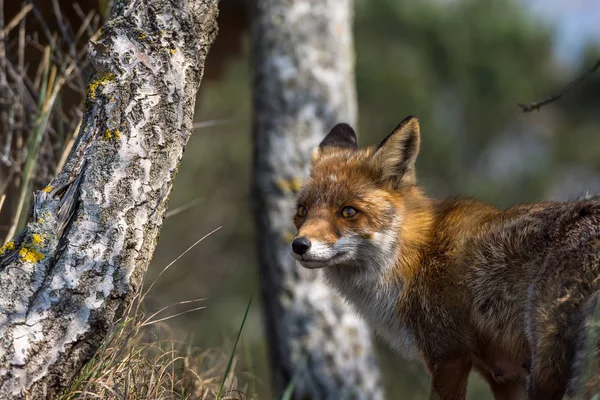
{"x":461,"y":67}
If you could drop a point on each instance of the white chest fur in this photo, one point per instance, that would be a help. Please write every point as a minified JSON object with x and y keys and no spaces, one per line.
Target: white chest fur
{"x":378,"y":303}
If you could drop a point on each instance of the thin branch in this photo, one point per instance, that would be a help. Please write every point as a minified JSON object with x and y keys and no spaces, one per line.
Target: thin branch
{"x":17,"y":19}
{"x":67,"y":148}
{"x":4,"y":185}
{"x":91,"y":30}
{"x":536,"y":106}
{"x":2,"y":46}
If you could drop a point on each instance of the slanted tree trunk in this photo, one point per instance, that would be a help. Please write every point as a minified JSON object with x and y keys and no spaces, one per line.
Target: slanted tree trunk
{"x":303,"y":66}
{"x":83,"y":256}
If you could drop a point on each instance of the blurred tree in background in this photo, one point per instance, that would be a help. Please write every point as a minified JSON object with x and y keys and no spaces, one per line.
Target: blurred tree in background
{"x":303,"y":84}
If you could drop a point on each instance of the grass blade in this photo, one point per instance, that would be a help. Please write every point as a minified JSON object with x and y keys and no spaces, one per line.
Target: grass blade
{"x":184,"y":207}
{"x":235,"y":346}
{"x":288,"y":393}
{"x":289,"y":390}
{"x":175,"y":260}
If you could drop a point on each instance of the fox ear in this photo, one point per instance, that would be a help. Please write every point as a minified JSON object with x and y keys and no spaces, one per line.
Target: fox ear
{"x":342,"y":136}
{"x":395,"y":157}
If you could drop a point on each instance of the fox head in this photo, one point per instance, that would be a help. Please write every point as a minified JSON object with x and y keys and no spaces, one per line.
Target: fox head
{"x":352,"y":209}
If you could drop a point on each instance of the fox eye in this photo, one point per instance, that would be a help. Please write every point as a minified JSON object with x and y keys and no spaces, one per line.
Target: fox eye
{"x":301,"y":211}
{"x":349,"y":212}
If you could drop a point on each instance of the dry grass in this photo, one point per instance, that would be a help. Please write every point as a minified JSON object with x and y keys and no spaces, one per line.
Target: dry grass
{"x":141,"y":360}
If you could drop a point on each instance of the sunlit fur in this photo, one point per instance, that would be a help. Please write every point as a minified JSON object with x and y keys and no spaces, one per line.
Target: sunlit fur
{"x":455,"y":283}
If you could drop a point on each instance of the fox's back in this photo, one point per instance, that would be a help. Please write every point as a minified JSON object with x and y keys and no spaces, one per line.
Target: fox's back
{"x":518,"y":246}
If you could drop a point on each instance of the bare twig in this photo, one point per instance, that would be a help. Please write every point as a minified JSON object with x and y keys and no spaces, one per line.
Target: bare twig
{"x":89,"y":29}
{"x":67,"y":148}
{"x":2,"y":46}
{"x":63,"y":24}
{"x":536,"y":106}
{"x":4,"y":185}
{"x":17,"y":19}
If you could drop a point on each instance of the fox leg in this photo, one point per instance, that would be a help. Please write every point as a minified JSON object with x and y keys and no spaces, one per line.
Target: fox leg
{"x":510,"y":389}
{"x":449,"y":378}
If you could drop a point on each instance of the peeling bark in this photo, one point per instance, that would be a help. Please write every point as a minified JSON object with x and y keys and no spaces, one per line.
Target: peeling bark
{"x":82,"y":258}
{"x":303,"y":85}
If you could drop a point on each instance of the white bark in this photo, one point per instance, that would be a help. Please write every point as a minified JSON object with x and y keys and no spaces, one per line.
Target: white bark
{"x":303,"y":85}
{"x":76,"y":266}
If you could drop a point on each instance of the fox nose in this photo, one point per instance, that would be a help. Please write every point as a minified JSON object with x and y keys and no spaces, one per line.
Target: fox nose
{"x":300,"y":245}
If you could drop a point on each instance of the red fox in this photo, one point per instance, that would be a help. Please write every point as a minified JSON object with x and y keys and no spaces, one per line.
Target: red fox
{"x":456,"y":283}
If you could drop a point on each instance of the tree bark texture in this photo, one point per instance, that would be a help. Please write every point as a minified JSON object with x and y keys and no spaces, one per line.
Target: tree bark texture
{"x":303,"y":66}
{"x":82,"y":258}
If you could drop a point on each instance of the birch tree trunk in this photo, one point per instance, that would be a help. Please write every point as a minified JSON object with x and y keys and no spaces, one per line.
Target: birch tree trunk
{"x":81,"y":260}
{"x":303,"y":84}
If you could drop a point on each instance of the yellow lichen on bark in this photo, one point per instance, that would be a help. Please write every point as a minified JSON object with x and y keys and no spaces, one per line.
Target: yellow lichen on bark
{"x":31,"y":252}
{"x":95,"y":84}
{"x":109,"y":134}
{"x":38,"y":240}
{"x":7,"y":247}
{"x":30,"y":255}
{"x":292,"y":185}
